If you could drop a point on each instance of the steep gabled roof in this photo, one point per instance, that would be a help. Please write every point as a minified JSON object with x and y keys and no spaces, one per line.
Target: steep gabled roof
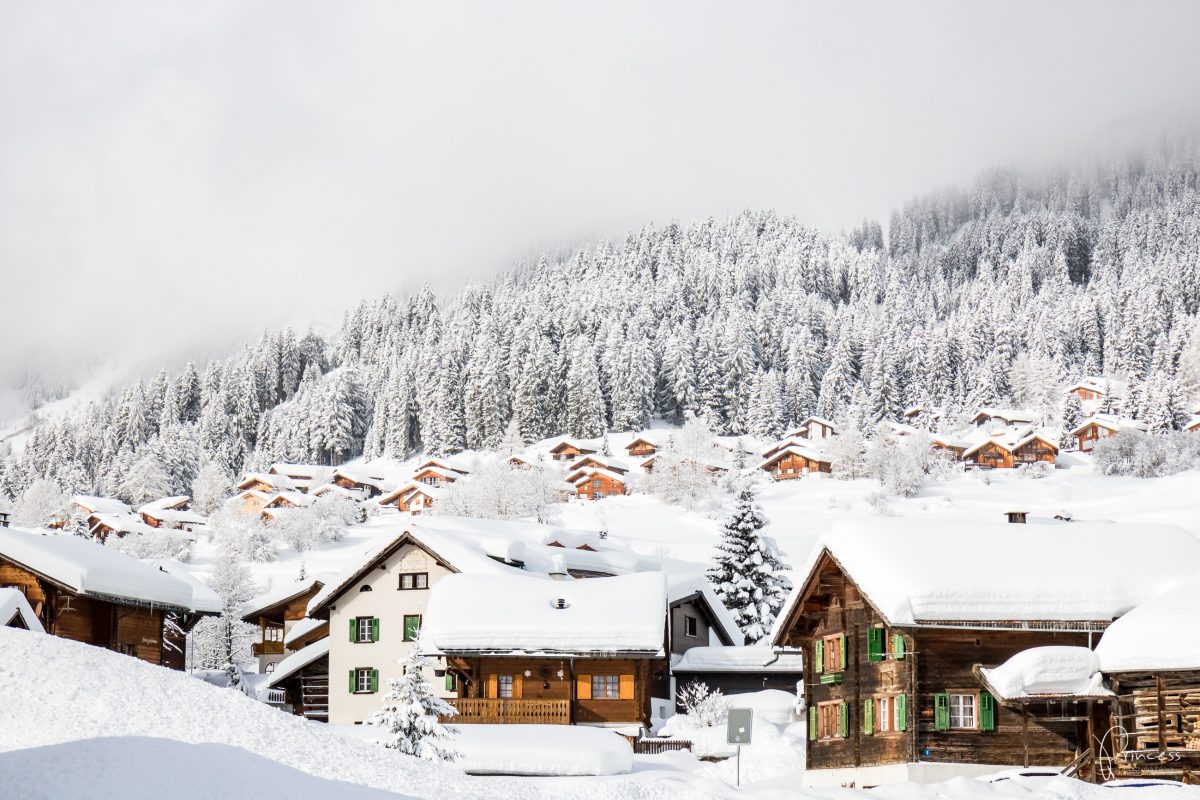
{"x":1110,"y":422}
{"x":299,"y":660}
{"x":795,"y":450}
{"x":701,"y":589}
{"x":15,"y":611}
{"x":263,"y":605}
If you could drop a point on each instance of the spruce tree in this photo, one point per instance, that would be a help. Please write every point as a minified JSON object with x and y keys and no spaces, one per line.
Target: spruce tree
{"x":409,"y":715}
{"x":1072,"y":416}
{"x":747,"y":573}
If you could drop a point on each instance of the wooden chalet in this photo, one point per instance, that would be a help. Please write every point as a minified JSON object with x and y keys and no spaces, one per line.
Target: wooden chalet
{"x":1010,"y":448}
{"x":816,"y":428}
{"x":276,"y":614}
{"x":265,"y":482}
{"x":795,"y":461}
{"x":411,"y":498}
{"x":370,"y":484}
{"x":92,"y":507}
{"x":171,"y":512}
{"x":595,"y":462}
{"x":1193,"y":425}
{"x":895,"y":618}
{"x":1089,"y":389}
{"x":597,"y":483}
{"x":84,"y":591}
{"x":303,"y":477}
{"x":524,"y":650}
{"x":303,"y":678}
{"x":1003,"y":417}
{"x":641,"y":447}
{"x":567,"y":450}
{"x":1101,"y":426}
{"x":739,"y":670}
{"x":949,"y":445}
{"x":435,"y":476}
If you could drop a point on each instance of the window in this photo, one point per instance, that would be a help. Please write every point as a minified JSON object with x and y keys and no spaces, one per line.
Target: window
{"x":504,"y":686}
{"x":886,"y":715}
{"x":366,"y":629}
{"x":272,"y":634}
{"x":962,"y":712}
{"x":606,"y":687}
{"x":830,"y":720}
{"x":364,"y":680}
{"x":412,"y":627}
{"x":596,"y":483}
{"x":691,"y":626}
{"x":271,"y":667}
{"x":414,"y":580}
{"x":835,"y":653}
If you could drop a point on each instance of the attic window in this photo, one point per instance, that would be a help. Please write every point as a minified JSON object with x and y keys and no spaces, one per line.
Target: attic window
{"x":561,"y":602}
{"x":365,"y":589}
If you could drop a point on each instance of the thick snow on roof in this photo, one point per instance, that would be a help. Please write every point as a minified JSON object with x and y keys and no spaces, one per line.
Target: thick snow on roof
{"x":916,"y":570}
{"x":589,"y":472}
{"x":163,"y":504}
{"x":13,"y":605}
{"x":100,"y":505}
{"x":740,"y":659}
{"x":1152,"y":636}
{"x":285,"y":592}
{"x":92,"y":569}
{"x":809,"y":453}
{"x":129,"y":523}
{"x":1110,"y":422}
{"x":298,"y":661}
{"x":515,"y":614}
{"x":679,"y":589}
{"x":279,"y":481}
{"x":1054,"y":670}
{"x":301,"y":629}
{"x":1007,"y":414}
{"x":204,"y":599}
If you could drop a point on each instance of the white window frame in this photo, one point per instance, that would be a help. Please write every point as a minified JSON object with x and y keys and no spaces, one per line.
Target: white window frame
{"x":362,"y":680}
{"x":362,"y":634}
{"x":962,"y":704}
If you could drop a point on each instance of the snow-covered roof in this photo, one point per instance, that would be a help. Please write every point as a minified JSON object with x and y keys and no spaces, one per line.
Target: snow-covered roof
{"x":302,"y":628}
{"x":300,"y":470}
{"x":917,"y":571}
{"x":1007,"y":414}
{"x":818,"y":421}
{"x":333,"y":488}
{"x":14,"y":607}
{"x":94,"y":570}
{"x":1153,"y":635}
{"x":439,"y":472}
{"x":204,"y":599}
{"x":1091,"y":383}
{"x":128,"y":523}
{"x":169,"y":509}
{"x":298,"y":661}
{"x":679,"y":589}
{"x":276,"y":480}
{"x":740,"y":659}
{"x":1193,"y":424}
{"x":432,"y":492}
{"x":100,"y":505}
{"x":1110,"y":422}
{"x":1009,"y":439}
{"x":500,"y":614}
{"x":1051,"y":671}
{"x":591,"y":472}
{"x":284,"y":594}
{"x":796,"y":450}
{"x":359,"y":474}
{"x":175,"y":502}
{"x":643,"y":440}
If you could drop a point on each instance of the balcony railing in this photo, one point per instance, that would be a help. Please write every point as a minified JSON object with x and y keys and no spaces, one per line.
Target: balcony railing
{"x":488,"y":710}
{"x":267,"y":648}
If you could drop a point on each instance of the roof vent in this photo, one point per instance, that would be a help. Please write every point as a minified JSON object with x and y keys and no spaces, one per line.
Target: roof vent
{"x":561,"y":602}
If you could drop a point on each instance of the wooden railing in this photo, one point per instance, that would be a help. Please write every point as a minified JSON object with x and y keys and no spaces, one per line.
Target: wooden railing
{"x":268,"y":648}
{"x":488,"y":710}
{"x":655,"y":746}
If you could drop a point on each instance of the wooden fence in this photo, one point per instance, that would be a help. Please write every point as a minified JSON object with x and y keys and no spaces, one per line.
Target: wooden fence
{"x":490,"y":710}
{"x":653,"y":747}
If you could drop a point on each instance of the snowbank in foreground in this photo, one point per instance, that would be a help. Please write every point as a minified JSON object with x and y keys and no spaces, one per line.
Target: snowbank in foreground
{"x":120,"y":768}
{"x":542,"y":750}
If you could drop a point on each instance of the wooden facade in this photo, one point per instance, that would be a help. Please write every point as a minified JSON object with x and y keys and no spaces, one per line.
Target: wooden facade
{"x":136,"y":630}
{"x":1035,"y":449}
{"x":596,"y":485}
{"x":553,"y":690}
{"x":641,"y":448}
{"x":1091,"y":433}
{"x":881,"y":695}
{"x":990,"y":455}
{"x":568,"y":451}
{"x":790,"y":464}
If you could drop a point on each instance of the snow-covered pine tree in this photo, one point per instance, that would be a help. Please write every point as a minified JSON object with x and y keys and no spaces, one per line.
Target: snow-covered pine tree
{"x":408,"y":717}
{"x":747,"y":573}
{"x":1072,"y":416}
{"x":223,"y":641}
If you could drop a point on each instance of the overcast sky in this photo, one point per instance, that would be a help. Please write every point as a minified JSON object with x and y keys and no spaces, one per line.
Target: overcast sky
{"x":190,"y":172}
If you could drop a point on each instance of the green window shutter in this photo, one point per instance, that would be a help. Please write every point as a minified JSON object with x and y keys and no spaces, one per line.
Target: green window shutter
{"x":812,"y":723}
{"x":450,"y":687}
{"x":898,"y":645}
{"x":353,"y":682}
{"x":353,"y":630}
{"x":902,"y":712}
{"x":374,"y":680}
{"x":869,"y":716}
{"x":987,"y":712}
{"x":941,"y":711}
{"x":842,"y":649}
{"x":374,"y":629}
{"x":874,"y":644}
{"x":819,"y":656}
{"x":843,"y":720}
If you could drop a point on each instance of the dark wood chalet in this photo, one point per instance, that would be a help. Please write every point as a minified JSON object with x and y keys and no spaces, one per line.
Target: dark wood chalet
{"x":93,"y":594}
{"x":896,"y":617}
{"x":528,"y":650}
{"x":795,"y":461}
{"x":276,"y":615}
{"x":567,"y":450}
{"x":641,"y":447}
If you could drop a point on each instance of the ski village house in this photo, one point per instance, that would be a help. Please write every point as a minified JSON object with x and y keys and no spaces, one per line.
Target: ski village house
{"x":899,"y":619}
{"x":90,"y":593}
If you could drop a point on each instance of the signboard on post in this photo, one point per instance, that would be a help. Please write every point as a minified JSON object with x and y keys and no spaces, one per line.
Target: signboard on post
{"x":739,"y":727}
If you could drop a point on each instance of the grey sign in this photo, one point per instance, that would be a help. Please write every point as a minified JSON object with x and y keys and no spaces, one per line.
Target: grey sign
{"x":739,"y":726}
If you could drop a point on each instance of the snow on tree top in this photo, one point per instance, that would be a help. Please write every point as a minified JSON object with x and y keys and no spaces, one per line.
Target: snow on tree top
{"x":91,"y":569}
{"x":1152,"y":636}
{"x":919,"y":571}
{"x":739,"y":659}
{"x":14,"y":606}
{"x":1051,"y":671}
{"x":518,"y":614}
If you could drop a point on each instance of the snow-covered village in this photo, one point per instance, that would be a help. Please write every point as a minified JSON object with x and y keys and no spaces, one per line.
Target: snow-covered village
{"x":631,"y":401}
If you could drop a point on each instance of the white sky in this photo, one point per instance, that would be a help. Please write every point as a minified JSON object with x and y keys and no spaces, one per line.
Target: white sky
{"x":190,"y":172}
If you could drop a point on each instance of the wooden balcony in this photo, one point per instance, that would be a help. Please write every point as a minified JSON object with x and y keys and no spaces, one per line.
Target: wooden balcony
{"x":495,"y":711}
{"x":267,"y":648}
